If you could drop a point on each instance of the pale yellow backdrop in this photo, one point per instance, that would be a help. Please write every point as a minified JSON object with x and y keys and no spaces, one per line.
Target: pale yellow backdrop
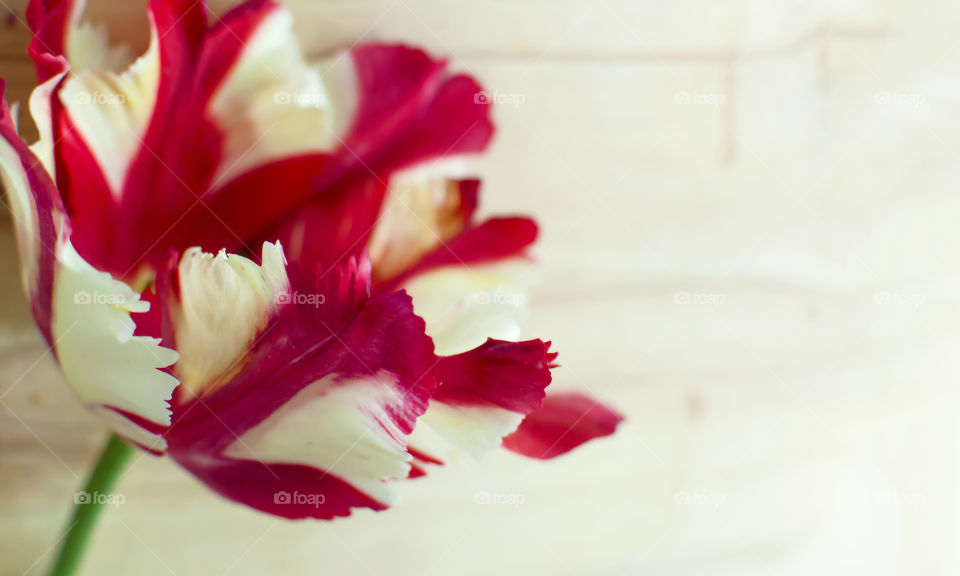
{"x":749,"y":247}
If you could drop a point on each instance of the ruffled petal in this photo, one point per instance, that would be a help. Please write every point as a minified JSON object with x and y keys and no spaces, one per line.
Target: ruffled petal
{"x":84,"y":314}
{"x":322,"y":400}
{"x":224,"y":302}
{"x":564,"y":422}
{"x":113,"y":371}
{"x":483,"y":395}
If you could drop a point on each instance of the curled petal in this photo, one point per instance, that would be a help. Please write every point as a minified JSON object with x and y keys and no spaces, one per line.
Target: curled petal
{"x":483,"y":395}
{"x":425,"y":115}
{"x":118,"y":134}
{"x":321,"y":401}
{"x":418,"y":216}
{"x":564,"y":422}
{"x":463,"y":306}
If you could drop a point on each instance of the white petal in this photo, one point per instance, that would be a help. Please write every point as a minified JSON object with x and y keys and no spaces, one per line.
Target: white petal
{"x":446,"y":432}
{"x":112,"y":111}
{"x":87,"y":47}
{"x":225,"y":301}
{"x":93,"y":331}
{"x":417,"y":215}
{"x":463,"y":306}
{"x":340,"y":427}
{"x":272,"y":103}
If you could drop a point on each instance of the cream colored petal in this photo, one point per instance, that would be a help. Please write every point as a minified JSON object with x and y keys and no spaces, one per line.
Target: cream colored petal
{"x":87,"y":47}
{"x":101,"y":358}
{"x":112,"y":111}
{"x":341,"y":427}
{"x":418,"y":216}
{"x":463,"y":306}
{"x":272,"y":104}
{"x":447,"y":433}
{"x":225,"y":301}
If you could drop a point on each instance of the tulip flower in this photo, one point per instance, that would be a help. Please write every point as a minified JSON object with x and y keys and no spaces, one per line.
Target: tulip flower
{"x":269,"y":267}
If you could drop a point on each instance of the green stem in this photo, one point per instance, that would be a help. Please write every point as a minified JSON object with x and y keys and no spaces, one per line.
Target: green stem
{"x":89,"y":503}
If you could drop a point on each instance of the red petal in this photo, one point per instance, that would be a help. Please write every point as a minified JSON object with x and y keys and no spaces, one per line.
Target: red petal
{"x":508,"y":375}
{"x":411,"y":111}
{"x":285,"y":490}
{"x":563,"y":423}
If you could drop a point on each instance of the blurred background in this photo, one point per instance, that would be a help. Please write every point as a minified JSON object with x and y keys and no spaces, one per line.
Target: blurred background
{"x":749,"y":248}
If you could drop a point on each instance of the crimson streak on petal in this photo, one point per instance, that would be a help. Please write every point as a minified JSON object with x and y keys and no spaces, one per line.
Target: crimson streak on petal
{"x":321,"y":404}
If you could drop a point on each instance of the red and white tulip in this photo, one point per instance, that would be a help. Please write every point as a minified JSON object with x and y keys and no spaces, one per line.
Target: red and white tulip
{"x":267,"y":267}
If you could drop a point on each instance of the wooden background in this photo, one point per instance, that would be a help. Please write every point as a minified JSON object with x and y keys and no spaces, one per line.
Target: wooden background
{"x":750,"y":246}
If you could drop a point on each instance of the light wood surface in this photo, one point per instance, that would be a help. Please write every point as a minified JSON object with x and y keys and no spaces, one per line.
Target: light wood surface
{"x":798,"y":416}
